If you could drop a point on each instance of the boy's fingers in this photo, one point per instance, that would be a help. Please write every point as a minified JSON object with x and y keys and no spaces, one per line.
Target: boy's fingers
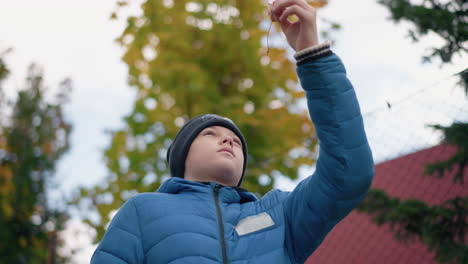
{"x":292,"y":10}
{"x":272,"y":15}
{"x":281,"y":4}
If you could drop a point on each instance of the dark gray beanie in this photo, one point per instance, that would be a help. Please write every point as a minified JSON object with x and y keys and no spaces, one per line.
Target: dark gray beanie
{"x":178,"y":150}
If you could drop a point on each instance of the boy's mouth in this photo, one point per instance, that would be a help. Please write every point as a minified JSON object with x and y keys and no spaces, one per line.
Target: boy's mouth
{"x":227,"y":150}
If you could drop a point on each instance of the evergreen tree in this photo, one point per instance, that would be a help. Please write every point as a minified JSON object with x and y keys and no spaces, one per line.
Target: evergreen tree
{"x":32,"y":140}
{"x":442,"y":228}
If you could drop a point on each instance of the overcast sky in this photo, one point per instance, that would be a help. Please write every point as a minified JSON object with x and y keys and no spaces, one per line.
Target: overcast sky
{"x":76,"y":39}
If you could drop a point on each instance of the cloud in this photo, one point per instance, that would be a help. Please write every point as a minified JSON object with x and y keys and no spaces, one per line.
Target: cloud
{"x":78,"y":241}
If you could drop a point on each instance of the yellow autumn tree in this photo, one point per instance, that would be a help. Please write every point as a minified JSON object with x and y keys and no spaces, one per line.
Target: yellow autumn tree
{"x":187,"y":58}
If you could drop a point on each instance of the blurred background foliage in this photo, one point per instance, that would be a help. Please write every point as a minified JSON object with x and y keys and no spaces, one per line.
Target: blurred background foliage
{"x":187,"y":58}
{"x":33,"y":137}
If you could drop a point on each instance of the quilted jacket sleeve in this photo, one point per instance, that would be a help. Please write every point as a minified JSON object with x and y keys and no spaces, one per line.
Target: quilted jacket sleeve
{"x":121,"y":243}
{"x":344,"y":169}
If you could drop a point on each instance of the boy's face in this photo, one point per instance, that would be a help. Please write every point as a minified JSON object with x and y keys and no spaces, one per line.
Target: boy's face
{"x":215,"y":155}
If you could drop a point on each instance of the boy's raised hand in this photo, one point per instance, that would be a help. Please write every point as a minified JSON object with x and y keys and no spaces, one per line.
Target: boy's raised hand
{"x":302,"y":33}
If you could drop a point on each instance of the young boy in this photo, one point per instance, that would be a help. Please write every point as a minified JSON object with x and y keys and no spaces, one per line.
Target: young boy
{"x":201,"y":215}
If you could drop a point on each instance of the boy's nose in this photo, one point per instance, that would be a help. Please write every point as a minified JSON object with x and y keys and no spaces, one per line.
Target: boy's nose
{"x":228,"y":139}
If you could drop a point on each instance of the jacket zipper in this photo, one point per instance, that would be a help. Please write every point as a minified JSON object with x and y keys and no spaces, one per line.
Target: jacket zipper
{"x":220,"y":222}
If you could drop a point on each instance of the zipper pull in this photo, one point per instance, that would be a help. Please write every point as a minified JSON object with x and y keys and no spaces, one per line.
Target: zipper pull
{"x":217,"y":187}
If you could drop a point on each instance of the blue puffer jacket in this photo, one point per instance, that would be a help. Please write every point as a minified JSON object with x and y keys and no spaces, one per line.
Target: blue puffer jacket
{"x":191,"y":222}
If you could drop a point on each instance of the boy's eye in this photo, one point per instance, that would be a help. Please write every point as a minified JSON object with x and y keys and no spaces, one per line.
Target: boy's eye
{"x":209,"y":132}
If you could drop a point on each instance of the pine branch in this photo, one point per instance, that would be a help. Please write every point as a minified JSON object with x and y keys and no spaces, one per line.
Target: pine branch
{"x":457,"y":135}
{"x":442,"y":228}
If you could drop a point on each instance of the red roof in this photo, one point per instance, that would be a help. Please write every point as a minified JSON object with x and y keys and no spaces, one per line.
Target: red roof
{"x":357,"y":239}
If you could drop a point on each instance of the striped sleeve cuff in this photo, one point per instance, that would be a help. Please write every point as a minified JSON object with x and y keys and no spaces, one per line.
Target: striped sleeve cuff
{"x":312,"y":53}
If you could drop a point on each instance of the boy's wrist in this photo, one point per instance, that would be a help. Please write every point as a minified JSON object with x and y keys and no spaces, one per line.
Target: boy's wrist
{"x":313,"y":52}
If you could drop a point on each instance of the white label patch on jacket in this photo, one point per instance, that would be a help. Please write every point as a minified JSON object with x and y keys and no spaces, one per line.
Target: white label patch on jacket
{"x":254,"y":223}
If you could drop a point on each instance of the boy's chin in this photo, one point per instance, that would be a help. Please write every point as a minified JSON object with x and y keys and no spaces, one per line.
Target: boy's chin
{"x":225,"y":175}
